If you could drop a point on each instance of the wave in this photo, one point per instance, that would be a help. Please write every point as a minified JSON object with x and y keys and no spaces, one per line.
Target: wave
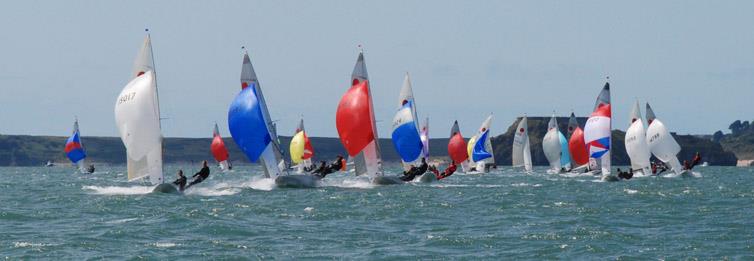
{"x":114,"y":190}
{"x":349,"y":183}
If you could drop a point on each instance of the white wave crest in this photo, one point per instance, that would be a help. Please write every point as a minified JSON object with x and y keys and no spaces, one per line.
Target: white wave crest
{"x":114,"y":190}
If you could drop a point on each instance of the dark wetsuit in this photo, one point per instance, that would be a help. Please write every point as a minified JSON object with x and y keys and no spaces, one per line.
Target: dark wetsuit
{"x":414,"y":171}
{"x":200,"y":176}
{"x":180,"y":182}
{"x":337,"y":165}
{"x":625,"y":175}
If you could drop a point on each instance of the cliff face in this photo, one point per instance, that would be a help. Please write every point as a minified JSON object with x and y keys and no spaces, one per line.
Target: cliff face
{"x":21,"y":150}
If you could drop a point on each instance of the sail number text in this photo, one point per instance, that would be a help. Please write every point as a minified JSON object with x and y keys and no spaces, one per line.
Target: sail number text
{"x":126,"y":97}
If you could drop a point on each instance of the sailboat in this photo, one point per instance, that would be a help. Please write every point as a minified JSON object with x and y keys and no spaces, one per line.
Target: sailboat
{"x":457,"y":149}
{"x":356,"y":126}
{"x":521,"y":153}
{"x":551,"y":146}
{"x":137,"y":116}
{"x":480,"y":148}
{"x":597,"y":133}
{"x":219,"y":151}
{"x":636,"y":144}
{"x":301,"y":149}
{"x":662,"y":144}
{"x":405,"y":136}
{"x":250,"y":124}
{"x":74,"y":149}
{"x":576,"y":145}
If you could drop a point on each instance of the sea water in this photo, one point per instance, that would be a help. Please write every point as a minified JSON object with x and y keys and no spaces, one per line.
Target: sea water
{"x":56,"y":213}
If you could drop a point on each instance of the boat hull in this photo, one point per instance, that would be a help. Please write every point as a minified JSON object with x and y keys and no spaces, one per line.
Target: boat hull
{"x":297,"y":181}
{"x":166,"y":188}
{"x":428,"y":177}
{"x":386,"y":180}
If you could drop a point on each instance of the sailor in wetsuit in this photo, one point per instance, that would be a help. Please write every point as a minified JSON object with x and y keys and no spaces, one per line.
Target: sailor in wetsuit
{"x":337,"y":164}
{"x":414,"y":171}
{"x":180,"y":181}
{"x":626,"y":175}
{"x":201,"y":175}
{"x":446,"y":173}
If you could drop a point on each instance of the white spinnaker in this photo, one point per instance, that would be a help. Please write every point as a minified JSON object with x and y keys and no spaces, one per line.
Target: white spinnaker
{"x":137,"y":116}
{"x":636,"y":142}
{"x":663,"y":145}
{"x":551,"y":144}
{"x":521,"y":148}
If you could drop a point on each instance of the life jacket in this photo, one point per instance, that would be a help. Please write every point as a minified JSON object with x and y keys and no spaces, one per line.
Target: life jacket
{"x":343,"y":165}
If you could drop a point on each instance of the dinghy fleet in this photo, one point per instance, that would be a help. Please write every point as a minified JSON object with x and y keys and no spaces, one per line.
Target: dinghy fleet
{"x":579,"y":151}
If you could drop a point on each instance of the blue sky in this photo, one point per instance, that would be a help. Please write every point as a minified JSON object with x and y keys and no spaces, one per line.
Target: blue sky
{"x":692,"y":60}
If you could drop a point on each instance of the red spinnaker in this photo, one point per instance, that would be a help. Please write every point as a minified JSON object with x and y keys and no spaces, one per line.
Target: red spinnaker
{"x":353,"y":118}
{"x":577,"y":147}
{"x":308,"y":149}
{"x":457,"y":148}
{"x":218,"y":149}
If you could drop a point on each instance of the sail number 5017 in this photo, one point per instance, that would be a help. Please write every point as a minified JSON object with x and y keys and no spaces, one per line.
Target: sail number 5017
{"x":126,"y":97}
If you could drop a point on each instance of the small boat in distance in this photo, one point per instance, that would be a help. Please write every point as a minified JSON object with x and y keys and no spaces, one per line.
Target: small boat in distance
{"x":521,"y":152}
{"x":74,"y":150}
{"x":219,"y":151}
{"x":663,"y":145}
{"x":480,"y":149}
{"x":636,"y":144}
{"x":457,"y":147}
{"x":301,"y":149}
{"x":597,"y":134}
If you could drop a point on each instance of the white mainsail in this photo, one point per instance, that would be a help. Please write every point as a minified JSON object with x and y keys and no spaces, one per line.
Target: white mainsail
{"x":551,"y":145}
{"x":636,"y":143}
{"x":661,"y":142}
{"x":521,"y":148}
{"x":137,"y":116}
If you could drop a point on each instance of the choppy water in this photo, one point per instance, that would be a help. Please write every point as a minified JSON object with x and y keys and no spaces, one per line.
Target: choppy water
{"x":53,"y":213}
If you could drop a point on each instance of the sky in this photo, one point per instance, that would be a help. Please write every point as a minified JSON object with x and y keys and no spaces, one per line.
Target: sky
{"x":692,"y":60}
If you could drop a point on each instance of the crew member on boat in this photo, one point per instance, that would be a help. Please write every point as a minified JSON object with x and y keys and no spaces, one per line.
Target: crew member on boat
{"x":415,"y":171}
{"x":180,"y":181}
{"x":446,"y":173}
{"x":201,"y":175}
{"x":626,"y":175}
